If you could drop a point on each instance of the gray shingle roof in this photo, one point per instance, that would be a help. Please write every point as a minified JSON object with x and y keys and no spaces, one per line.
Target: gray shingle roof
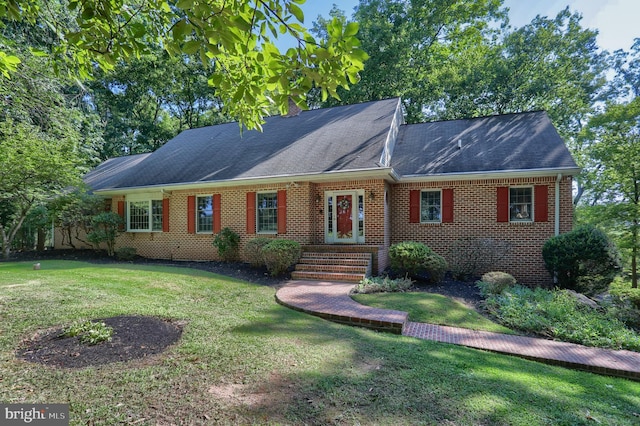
{"x":522,"y":141}
{"x":345,"y":138}
{"x":332,"y":139}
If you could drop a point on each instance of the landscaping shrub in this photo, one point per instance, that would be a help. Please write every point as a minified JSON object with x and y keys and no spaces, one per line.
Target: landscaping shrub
{"x":408,"y":257}
{"x":625,"y":303}
{"x":416,"y":259}
{"x":253,"y":250}
{"x":226,"y":241}
{"x":435,"y":266}
{"x":495,"y":283}
{"x":279,"y":255}
{"x":126,"y":253}
{"x":623,"y":289}
{"x":382,"y":285}
{"x":104,"y":229}
{"x":556,"y":314}
{"x":472,"y":256}
{"x":584,"y":260}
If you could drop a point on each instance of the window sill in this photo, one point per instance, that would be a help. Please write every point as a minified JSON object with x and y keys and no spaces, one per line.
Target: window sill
{"x":521,"y":222}
{"x":431,"y":223}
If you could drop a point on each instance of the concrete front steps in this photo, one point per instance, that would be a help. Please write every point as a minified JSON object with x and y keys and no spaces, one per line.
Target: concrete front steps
{"x":333,"y":266}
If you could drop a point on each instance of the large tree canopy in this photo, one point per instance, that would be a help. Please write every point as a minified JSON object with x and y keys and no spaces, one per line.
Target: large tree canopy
{"x":249,"y":71}
{"x":147,"y":101}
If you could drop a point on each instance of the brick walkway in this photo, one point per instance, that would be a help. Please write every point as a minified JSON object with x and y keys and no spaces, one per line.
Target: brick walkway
{"x":331,"y":301}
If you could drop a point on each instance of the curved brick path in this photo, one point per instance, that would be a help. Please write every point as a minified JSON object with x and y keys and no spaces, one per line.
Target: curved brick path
{"x":330,"y":300}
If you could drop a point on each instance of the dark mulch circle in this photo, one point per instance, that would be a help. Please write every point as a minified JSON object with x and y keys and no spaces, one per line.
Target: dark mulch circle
{"x":134,"y":337}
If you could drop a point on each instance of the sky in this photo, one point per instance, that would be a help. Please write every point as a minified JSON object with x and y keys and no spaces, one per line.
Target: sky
{"x":615,"y":20}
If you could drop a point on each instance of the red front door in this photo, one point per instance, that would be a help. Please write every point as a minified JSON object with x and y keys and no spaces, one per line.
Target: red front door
{"x":344,"y":217}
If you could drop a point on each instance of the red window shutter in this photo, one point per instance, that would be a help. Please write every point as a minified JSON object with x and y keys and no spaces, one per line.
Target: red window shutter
{"x":217,"y":216}
{"x":503,"y":204}
{"x":541,"y":201}
{"x":282,"y":212}
{"x":191,"y":214}
{"x":251,"y":212}
{"x":121,"y":214}
{"x":414,"y":206}
{"x":165,"y":215}
{"x":447,"y":206}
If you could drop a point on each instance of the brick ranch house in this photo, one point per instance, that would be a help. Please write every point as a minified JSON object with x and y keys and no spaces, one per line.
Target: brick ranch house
{"x":349,"y":179}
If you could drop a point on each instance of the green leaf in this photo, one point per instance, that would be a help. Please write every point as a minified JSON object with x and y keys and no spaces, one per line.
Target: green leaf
{"x":351,"y":29}
{"x":191,"y":47}
{"x":184,"y":4}
{"x":296,"y":11}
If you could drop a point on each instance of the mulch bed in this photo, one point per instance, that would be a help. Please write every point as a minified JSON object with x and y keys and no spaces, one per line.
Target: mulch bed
{"x":134,"y":337}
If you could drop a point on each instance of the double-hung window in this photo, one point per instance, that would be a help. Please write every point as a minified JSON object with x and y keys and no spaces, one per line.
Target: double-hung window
{"x":430,"y":206}
{"x":144,"y":215}
{"x":521,"y":204}
{"x":204,"y":214}
{"x":267,"y":212}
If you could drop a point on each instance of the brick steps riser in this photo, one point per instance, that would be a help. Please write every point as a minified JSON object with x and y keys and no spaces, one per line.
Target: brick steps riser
{"x":325,"y":261}
{"x":331,"y":268}
{"x":328,"y":276}
{"x":308,"y":254}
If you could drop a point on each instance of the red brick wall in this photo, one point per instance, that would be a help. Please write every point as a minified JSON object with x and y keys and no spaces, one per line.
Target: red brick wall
{"x":305,"y":219}
{"x":386,"y":221}
{"x":475,"y":216}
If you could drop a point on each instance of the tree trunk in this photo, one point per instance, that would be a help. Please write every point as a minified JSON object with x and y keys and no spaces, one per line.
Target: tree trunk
{"x":42,"y":236}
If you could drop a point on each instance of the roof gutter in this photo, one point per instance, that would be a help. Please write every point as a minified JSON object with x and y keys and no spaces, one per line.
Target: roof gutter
{"x":386,"y":173}
{"x":492,"y":174}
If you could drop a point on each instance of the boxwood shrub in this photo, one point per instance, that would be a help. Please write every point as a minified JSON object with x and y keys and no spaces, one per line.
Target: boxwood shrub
{"x":280,"y":254}
{"x":417,"y":260}
{"x":253,"y":250}
{"x":584,"y":260}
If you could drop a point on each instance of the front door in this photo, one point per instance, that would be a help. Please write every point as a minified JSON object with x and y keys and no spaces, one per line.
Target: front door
{"x":344,"y":217}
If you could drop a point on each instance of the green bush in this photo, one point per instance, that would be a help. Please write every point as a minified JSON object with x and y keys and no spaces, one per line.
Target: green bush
{"x":435,"y":266}
{"x":625,"y":303}
{"x":226,"y":241}
{"x":253,"y":250}
{"x":126,"y":253}
{"x":382,"y":285}
{"x":408,"y":257}
{"x":279,"y":255}
{"x":470,"y":257}
{"x":416,"y":259}
{"x":105,"y":227}
{"x":623,"y":289}
{"x":584,"y":260}
{"x":557,"y":314}
{"x":495,"y":282}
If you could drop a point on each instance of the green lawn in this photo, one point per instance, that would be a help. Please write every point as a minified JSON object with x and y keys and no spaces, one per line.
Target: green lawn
{"x":432,"y":308}
{"x":243,"y":359}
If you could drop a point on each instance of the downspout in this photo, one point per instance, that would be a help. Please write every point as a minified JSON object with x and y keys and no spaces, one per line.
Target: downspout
{"x":557,"y":217}
{"x":557,"y":212}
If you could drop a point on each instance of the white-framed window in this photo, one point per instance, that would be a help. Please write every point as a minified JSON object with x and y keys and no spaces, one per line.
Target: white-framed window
{"x":430,"y":206}
{"x":267,"y":212}
{"x":521,"y":204}
{"x":144,"y":215}
{"x":204,"y":214}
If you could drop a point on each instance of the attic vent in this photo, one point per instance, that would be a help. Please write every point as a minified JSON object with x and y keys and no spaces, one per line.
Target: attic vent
{"x":293,"y":109}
